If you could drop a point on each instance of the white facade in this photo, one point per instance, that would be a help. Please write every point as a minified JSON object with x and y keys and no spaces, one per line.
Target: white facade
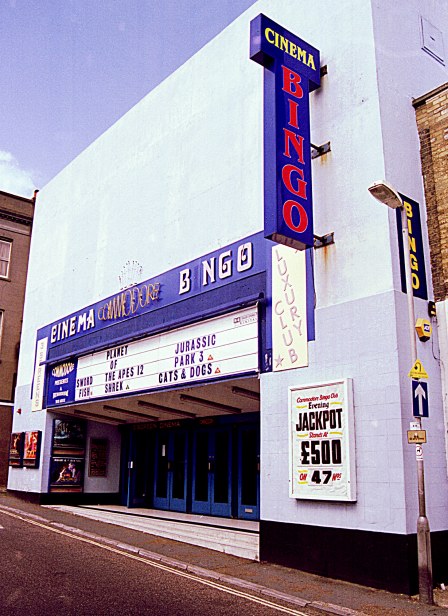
{"x":181,"y":174}
{"x":375,"y":68}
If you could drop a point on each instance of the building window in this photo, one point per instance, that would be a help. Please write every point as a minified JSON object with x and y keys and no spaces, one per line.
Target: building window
{"x":5,"y":257}
{"x":1,"y":326}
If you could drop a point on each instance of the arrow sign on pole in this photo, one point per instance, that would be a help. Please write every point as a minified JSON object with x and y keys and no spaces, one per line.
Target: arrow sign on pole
{"x":420,"y":403}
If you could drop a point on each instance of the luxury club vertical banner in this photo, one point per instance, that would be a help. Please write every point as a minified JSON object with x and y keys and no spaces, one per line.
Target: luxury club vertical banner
{"x":289,"y":310}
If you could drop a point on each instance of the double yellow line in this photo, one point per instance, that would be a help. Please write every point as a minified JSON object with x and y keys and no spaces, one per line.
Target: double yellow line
{"x":156,"y":565}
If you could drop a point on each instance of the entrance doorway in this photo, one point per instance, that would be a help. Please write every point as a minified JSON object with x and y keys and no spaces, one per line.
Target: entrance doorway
{"x":212,"y":472}
{"x":170,"y":485}
{"x":208,"y":466}
{"x":249,"y":473}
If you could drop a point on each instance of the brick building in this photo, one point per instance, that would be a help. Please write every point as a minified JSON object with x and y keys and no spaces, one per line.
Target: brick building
{"x":432,"y":120}
{"x":16,"y":219}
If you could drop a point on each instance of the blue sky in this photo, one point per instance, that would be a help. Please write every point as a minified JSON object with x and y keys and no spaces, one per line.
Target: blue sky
{"x":71,"y":68}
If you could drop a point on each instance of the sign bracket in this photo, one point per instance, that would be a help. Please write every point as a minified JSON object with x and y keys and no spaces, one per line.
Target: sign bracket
{"x":320,"y":241}
{"x":320,"y":150}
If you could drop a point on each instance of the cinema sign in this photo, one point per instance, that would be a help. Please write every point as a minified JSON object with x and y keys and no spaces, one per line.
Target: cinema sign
{"x":292,"y":70}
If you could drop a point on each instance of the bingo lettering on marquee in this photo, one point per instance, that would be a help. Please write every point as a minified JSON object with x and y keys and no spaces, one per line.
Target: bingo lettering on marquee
{"x":292,"y":70}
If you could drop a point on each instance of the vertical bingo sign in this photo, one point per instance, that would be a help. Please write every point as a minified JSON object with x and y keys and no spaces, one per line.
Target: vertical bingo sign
{"x":292,"y":70}
{"x":322,"y":442}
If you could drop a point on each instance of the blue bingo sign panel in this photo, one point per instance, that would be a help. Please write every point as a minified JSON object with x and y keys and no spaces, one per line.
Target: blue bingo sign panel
{"x":292,"y":71}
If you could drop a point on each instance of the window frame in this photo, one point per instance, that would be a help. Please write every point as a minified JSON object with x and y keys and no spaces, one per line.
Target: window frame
{"x":2,"y":318}
{"x":6,"y":240}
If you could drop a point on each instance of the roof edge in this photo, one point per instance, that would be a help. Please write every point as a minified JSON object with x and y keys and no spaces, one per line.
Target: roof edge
{"x":422,"y":100}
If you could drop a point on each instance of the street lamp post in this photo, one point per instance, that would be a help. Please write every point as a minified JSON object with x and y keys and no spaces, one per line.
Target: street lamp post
{"x":385,"y":193}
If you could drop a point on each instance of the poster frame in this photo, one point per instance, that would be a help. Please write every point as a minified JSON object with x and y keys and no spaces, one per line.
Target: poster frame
{"x":318,"y":492}
{"x":74,"y":445}
{"x":32,"y":461}
{"x":15,"y":456}
{"x":98,"y":465}
{"x":67,"y":482}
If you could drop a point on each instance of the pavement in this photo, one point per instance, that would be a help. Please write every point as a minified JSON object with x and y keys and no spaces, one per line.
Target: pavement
{"x":296,"y":587}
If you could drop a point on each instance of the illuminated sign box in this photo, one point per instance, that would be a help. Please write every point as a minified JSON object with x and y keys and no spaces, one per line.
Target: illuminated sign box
{"x":292,"y":71}
{"x":134,"y":311}
{"x":216,"y":348}
{"x":416,"y":252}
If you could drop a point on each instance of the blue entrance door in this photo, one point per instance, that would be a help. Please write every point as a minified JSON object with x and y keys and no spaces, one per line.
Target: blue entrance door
{"x":170,"y":484}
{"x":249,"y":472}
{"x":212,"y":472}
{"x":140,"y":469}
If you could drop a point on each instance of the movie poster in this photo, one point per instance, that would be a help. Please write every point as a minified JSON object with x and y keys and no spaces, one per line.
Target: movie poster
{"x":31,"y":452}
{"x":69,"y":437}
{"x":66,"y":474}
{"x":67,"y":462}
{"x":16,"y":449}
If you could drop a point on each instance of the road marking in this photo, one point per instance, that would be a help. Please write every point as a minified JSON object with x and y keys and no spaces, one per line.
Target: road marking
{"x":216,"y":585}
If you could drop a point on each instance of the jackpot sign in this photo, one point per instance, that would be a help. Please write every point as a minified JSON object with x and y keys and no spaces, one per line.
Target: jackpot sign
{"x":292,"y":71}
{"x":322,"y":443}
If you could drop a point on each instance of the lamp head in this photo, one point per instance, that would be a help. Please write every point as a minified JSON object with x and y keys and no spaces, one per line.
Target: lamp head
{"x":386,"y":193}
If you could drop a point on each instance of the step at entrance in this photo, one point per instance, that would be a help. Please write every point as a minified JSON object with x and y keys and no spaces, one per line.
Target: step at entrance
{"x":235,"y":537}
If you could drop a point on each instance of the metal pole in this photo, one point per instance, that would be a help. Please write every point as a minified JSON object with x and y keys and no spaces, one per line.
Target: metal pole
{"x":425,"y":584}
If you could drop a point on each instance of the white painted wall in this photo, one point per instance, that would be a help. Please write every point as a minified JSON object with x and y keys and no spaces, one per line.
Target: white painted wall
{"x":30,"y":479}
{"x":347,"y":345}
{"x":111,"y":483}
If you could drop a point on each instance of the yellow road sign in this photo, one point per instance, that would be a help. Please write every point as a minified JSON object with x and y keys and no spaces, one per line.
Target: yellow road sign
{"x":417,"y":371}
{"x":416,"y":436}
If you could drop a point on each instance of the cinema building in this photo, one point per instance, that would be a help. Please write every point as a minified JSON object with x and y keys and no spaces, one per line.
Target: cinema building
{"x":219,"y":327}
